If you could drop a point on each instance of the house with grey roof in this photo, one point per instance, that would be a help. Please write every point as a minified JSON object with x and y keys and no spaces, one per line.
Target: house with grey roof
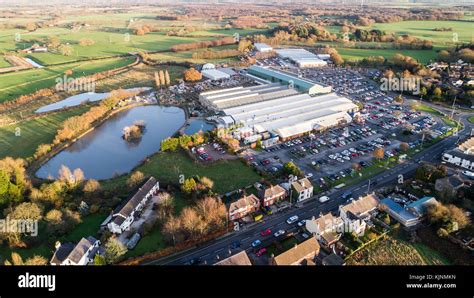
{"x":125,"y":214}
{"x":81,"y":254}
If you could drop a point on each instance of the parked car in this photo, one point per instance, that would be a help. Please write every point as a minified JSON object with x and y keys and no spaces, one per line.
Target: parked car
{"x":292,"y":219}
{"x":305,"y":235}
{"x":256,"y":243}
{"x":235,"y":244}
{"x":195,"y":261}
{"x":301,"y":223}
{"x":279,"y":233}
{"x":260,"y":252}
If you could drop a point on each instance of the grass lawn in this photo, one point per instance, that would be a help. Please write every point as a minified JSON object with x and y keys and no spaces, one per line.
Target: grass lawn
{"x":13,"y":85}
{"x":450,"y":122}
{"x":166,"y":167}
{"x":25,"y":253}
{"x":33,"y":133}
{"x":88,"y":227}
{"x":153,"y":241}
{"x":471,"y":119}
{"x":428,"y":109}
{"x":366,"y":172}
{"x":424,"y":56}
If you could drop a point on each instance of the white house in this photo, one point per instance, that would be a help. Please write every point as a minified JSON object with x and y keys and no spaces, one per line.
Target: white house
{"x":326,"y":228}
{"x":302,"y":189}
{"x":462,"y":156}
{"x":354,"y":214}
{"x":124,"y":215}
{"x":81,"y":254}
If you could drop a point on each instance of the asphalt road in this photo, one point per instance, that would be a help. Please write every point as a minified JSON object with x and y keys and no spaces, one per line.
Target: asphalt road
{"x":220,"y":248}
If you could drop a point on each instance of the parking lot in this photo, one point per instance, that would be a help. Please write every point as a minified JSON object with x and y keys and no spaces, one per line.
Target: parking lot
{"x":333,"y":154}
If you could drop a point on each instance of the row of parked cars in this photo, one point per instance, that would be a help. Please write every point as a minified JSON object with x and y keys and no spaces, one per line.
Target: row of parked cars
{"x":278,"y":234}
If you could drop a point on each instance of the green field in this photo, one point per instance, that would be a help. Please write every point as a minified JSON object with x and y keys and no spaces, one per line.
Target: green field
{"x":19,"y":83}
{"x":33,"y":133}
{"x":187,"y":56}
{"x":424,"y":56}
{"x":4,"y":63}
{"x":107,"y":43}
{"x":424,"y":30}
{"x":166,"y":167}
{"x":471,"y":119}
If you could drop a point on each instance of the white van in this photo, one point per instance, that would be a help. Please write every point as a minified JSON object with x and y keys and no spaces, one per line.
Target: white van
{"x":323,"y":199}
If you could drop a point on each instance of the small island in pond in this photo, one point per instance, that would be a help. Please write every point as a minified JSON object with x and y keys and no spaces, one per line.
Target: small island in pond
{"x":134,"y":132}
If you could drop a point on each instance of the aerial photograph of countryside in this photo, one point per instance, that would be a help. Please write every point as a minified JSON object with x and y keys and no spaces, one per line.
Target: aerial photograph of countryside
{"x":191,"y":134}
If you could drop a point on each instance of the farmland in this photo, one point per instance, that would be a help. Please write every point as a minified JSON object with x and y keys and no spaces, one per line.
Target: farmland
{"x":19,"y":83}
{"x":32,"y":133}
{"x":424,"y":56}
{"x":424,"y":30}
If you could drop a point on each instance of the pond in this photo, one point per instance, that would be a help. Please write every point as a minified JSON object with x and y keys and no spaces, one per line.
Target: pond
{"x":35,"y":64}
{"x":79,"y":99}
{"x":103,"y":153}
{"x":197,"y":125}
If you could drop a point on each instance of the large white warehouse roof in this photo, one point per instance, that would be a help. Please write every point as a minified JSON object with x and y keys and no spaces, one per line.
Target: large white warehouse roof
{"x":238,"y":96}
{"x":301,"y":57}
{"x":294,"y":115}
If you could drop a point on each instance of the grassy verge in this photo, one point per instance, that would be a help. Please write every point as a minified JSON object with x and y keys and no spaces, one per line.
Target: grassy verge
{"x":428,"y":109}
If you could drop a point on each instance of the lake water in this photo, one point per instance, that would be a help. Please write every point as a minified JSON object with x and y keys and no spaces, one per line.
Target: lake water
{"x":103,"y":153}
{"x":197,"y":125}
{"x":79,"y":99}
{"x":34,"y":63}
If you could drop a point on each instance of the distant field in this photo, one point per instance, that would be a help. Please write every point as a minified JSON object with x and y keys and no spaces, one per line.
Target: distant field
{"x":33,"y":133}
{"x":424,"y":30}
{"x":228,"y":32}
{"x":15,"y":84}
{"x":166,"y":167}
{"x":424,"y":56}
{"x":109,"y":41}
{"x":186,"y":56}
